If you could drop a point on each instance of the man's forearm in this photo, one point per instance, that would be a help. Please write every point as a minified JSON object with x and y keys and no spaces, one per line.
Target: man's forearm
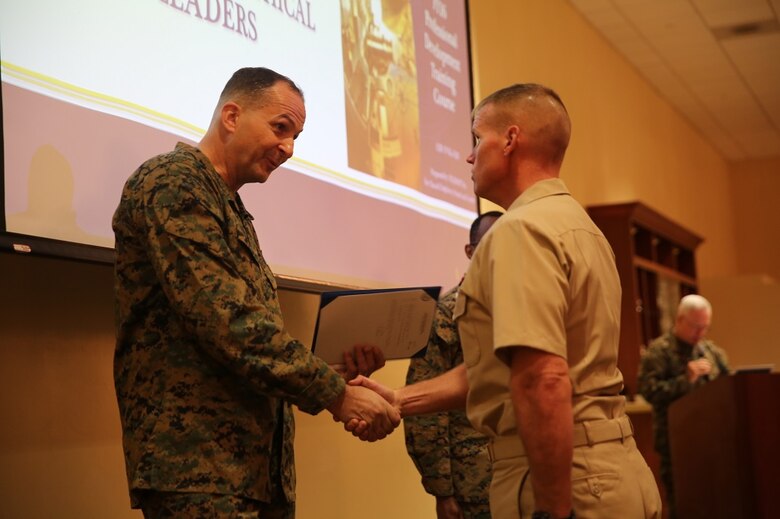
{"x":443,"y":393}
{"x":541,"y":395}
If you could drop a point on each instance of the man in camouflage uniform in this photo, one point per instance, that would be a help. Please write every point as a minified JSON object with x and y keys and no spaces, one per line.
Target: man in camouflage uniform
{"x":674,"y":365}
{"x":204,"y":369}
{"x":450,"y":455}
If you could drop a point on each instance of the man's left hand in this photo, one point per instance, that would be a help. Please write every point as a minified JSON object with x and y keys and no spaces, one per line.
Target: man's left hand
{"x":362,"y":360}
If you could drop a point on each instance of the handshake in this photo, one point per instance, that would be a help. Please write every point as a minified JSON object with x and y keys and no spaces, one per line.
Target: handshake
{"x":366,"y":408}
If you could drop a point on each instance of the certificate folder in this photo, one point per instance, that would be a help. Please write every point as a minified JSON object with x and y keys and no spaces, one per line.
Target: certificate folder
{"x":396,"y":320}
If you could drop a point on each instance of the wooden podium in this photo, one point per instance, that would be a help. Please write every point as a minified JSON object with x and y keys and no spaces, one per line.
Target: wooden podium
{"x":725,"y":445}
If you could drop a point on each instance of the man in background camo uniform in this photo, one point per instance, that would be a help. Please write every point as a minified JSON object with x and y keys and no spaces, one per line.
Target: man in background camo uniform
{"x":204,"y":369}
{"x":674,"y":365}
{"x":450,"y":455}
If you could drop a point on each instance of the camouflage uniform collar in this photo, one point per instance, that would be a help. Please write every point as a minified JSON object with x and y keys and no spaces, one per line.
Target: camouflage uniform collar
{"x":246,"y":215}
{"x":681,"y":346}
{"x":233,"y":198}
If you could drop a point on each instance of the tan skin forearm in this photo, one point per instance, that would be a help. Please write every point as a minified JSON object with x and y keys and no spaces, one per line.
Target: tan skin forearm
{"x":443,"y":393}
{"x":541,"y":395}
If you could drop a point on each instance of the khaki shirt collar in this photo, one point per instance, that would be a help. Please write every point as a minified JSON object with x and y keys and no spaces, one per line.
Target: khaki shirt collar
{"x":542,"y":189}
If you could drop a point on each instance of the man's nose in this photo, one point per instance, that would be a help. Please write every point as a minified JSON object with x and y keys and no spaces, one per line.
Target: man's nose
{"x":287,"y":146}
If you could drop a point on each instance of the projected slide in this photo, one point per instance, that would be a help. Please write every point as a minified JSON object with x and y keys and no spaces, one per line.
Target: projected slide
{"x":378,"y":192}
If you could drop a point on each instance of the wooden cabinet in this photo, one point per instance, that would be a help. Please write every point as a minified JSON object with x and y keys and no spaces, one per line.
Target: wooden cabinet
{"x":657,"y":266}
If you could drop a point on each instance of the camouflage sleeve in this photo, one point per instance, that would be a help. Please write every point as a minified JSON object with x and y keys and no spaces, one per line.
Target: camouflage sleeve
{"x":427,"y":436}
{"x":662,"y":377}
{"x":721,"y":359}
{"x":215,"y":289}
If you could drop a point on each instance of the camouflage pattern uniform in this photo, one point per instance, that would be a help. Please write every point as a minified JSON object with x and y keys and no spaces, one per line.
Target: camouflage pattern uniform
{"x":663,"y":379}
{"x":450,"y":455}
{"x":163,"y":505}
{"x":204,"y":369}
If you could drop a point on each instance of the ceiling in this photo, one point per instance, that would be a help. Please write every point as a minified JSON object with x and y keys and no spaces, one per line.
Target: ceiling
{"x":716,"y":61}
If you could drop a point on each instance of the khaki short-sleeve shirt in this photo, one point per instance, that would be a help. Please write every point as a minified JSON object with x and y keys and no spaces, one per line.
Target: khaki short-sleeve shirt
{"x":544,"y":277}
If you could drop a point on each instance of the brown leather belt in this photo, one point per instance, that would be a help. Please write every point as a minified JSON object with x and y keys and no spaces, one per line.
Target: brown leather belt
{"x":585,"y":433}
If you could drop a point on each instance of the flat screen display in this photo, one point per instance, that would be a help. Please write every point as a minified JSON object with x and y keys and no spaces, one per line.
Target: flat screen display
{"x":378,"y":192}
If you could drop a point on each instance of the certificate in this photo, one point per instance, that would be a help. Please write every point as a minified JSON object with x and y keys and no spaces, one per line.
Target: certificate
{"x":397,"y":320}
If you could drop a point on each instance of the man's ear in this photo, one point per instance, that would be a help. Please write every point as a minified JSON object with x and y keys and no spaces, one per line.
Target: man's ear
{"x":469,"y":248}
{"x":229,"y":116}
{"x":512,"y":135}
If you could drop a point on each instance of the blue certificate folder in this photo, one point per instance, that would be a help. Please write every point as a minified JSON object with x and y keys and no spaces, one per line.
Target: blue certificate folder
{"x":396,"y":320}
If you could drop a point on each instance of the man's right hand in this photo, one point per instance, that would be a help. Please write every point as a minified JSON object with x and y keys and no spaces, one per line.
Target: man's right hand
{"x":358,"y":428}
{"x":381,"y":390}
{"x":365,"y":413}
{"x":448,"y":508}
{"x":698,"y":368}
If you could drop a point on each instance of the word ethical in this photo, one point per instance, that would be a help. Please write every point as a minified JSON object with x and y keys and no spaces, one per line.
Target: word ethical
{"x":297,"y":10}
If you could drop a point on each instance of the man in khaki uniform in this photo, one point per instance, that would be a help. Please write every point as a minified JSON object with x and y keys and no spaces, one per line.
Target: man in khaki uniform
{"x":538,"y":315}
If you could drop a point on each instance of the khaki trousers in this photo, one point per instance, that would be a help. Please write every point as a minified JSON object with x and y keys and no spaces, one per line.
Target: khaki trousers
{"x":610,"y":480}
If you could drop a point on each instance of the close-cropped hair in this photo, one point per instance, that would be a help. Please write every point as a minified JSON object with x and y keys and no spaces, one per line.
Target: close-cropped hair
{"x":539,"y":110}
{"x":473,"y":238}
{"x":251,"y":83}
{"x":519,"y":90}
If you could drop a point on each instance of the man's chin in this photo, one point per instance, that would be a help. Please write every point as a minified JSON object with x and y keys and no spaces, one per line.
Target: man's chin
{"x":263,"y":176}
{"x":266,"y":173}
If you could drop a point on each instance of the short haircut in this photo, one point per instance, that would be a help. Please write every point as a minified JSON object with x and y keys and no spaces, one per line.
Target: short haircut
{"x":518,"y":90}
{"x":250,"y":84}
{"x":522,"y":104}
{"x":474,"y":231}
{"x":693,"y":302}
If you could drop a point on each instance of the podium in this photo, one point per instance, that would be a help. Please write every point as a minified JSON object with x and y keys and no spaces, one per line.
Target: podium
{"x":725,"y":446}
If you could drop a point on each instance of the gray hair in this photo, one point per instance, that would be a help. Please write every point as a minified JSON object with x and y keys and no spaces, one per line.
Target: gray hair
{"x":693,"y":302}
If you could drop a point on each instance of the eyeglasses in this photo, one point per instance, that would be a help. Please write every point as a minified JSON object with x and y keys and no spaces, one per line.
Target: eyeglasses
{"x":696,"y":326}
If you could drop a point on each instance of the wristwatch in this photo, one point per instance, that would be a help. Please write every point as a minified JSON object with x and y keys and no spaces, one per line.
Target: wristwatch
{"x":539,"y":514}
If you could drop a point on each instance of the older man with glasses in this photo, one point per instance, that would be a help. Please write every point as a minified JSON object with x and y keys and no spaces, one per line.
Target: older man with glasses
{"x":674,"y":365}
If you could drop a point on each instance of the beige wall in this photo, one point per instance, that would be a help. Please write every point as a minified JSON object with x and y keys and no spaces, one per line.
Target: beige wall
{"x":627,"y":144}
{"x":60,"y":454}
{"x":746,"y":306}
{"x":745,"y":318}
{"x":756,"y":190}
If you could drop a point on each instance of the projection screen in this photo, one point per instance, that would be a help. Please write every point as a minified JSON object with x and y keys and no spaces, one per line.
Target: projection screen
{"x":378,"y":192}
